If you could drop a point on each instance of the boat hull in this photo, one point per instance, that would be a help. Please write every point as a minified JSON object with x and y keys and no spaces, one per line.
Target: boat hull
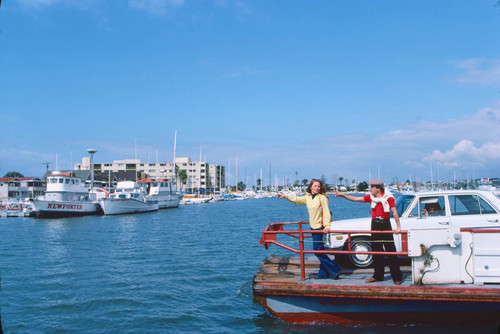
{"x":308,"y":309}
{"x":278,"y":287}
{"x":167,"y":202}
{"x":195,"y":200}
{"x":55,"y":209}
{"x":125,"y":206}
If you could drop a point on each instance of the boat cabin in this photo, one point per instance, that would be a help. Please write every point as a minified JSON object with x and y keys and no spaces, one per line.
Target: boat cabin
{"x":65,"y":186}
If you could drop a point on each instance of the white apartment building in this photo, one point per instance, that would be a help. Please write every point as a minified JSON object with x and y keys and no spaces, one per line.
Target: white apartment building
{"x":198,"y":175}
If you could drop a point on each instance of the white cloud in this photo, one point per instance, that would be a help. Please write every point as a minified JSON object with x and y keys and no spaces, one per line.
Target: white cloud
{"x":480,"y":71}
{"x":466,"y":143}
{"x":465,"y":151}
{"x":156,"y":7}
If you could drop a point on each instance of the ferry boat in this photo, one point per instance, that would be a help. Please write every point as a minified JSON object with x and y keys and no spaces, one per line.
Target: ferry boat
{"x":66,"y":196}
{"x":454,"y":278}
{"x":163,"y":190}
{"x":128,"y":197}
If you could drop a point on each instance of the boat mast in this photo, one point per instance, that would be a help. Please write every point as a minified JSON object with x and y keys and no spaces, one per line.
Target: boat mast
{"x":261,"y":179}
{"x":174,"y":164}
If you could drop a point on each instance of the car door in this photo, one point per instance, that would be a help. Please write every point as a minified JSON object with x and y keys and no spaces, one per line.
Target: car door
{"x":421,"y":217}
{"x":472,"y":210}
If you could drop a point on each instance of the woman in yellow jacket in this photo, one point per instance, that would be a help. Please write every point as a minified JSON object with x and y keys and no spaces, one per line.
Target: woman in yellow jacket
{"x":319,"y":219}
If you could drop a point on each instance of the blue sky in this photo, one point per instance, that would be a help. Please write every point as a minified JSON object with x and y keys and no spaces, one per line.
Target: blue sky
{"x":334,"y":88}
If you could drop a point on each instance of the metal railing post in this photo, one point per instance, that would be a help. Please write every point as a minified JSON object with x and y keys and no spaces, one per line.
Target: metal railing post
{"x":301,"y":253}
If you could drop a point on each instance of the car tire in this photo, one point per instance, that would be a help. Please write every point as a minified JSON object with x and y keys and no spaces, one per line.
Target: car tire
{"x":359,"y":260}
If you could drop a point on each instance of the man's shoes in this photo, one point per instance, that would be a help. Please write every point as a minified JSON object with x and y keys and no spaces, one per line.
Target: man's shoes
{"x":397,"y":282}
{"x":372,"y":280}
{"x":338,"y":276}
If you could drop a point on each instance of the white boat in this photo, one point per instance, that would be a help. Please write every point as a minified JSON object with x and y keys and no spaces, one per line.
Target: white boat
{"x":195,"y":200}
{"x":234,"y":197}
{"x":66,"y":196}
{"x":128,"y":197}
{"x":163,"y":190}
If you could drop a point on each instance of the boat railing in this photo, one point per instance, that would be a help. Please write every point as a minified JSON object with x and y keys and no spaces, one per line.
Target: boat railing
{"x":270,"y":236}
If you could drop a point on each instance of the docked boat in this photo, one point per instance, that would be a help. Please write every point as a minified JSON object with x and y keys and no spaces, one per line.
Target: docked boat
{"x":129,"y":197}
{"x":193,"y":199}
{"x":66,"y":196}
{"x":234,"y":197}
{"x":16,"y":208}
{"x":454,"y":278}
{"x":163,"y":190}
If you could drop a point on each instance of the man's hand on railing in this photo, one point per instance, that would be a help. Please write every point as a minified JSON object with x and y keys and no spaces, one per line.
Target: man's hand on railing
{"x":326,"y":230}
{"x":397,"y":230}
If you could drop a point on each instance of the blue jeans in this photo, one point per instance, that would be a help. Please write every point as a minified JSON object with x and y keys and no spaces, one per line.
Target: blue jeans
{"x":327,"y":268}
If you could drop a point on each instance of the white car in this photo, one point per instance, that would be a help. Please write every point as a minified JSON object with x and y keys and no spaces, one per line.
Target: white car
{"x":421,"y":210}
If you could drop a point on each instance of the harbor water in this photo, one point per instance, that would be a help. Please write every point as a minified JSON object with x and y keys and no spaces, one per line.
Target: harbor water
{"x":183,"y":270}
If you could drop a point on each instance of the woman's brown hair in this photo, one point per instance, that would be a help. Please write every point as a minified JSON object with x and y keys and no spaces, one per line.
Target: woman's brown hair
{"x":322,"y":188}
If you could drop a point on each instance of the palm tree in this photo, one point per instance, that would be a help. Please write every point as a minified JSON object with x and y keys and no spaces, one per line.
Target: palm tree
{"x":176,"y":171}
{"x":183,"y":176}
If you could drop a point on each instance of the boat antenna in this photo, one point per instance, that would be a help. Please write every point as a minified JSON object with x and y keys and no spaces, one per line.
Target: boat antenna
{"x":46,"y":168}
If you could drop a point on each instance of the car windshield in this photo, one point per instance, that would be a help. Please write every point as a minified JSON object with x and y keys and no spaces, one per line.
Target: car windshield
{"x":403,"y":202}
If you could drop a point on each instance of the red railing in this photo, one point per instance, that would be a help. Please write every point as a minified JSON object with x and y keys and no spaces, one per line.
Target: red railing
{"x":270,"y":236}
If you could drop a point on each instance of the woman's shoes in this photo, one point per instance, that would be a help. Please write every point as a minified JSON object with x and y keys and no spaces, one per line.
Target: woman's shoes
{"x":372,"y":280}
{"x":330,"y":277}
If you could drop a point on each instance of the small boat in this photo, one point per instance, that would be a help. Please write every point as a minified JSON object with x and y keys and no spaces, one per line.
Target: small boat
{"x":16,"y":208}
{"x":163,"y":190}
{"x":66,"y":196}
{"x":454,"y":278}
{"x":128,"y":197}
{"x":193,"y":199}
{"x":233,"y":197}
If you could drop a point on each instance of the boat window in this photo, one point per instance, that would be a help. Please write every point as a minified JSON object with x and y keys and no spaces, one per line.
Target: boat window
{"x":415,"y":211}
{"x":432,"y":206}
{"x":61,"y":180}
{"x":485,"y":207}
{"x":67,"y":181}
{"x":72,"y":181}
{"x":53,"y":180}
{"x":122,"y":196}
{"x":466,"y":205}
{"x":403,"y":202}
{"x":77,"y":181}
